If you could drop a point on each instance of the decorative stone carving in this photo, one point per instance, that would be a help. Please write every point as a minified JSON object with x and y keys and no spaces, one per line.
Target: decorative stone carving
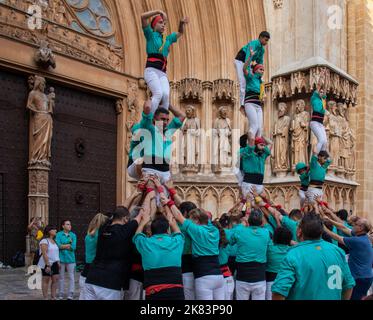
{"x":281,"y":88}
{"x":278,"y":4}
{"x":299,"y":82}
{"x":335,"y":134}
{"x":320,"y":76}
{"x":41,"y":123}
{"x":119,"y":106}
{"x":345,"y":136}
{"x":223,"y":89}
{"x":222,"y":146}
{"x":44,"y":55}
{"x":351,"y":159}
{"x":190,"y":144}
{"x":190,"y":89}
{"x":300,"y":133}
{"x":281,"y":163}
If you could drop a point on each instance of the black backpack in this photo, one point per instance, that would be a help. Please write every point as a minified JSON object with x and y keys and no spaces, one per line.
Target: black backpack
{"x":18,"y":260}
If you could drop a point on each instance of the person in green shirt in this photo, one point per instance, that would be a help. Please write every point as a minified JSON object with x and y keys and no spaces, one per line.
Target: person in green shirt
{"x":161,"y":256}
{"x":157,"y":49}
{"x":252,"y":245}
{"x":314,"y":269}
{"x":319,"y":165}
{"x":303,"y":171}
{"x":66,"y":241}
{"x":257,"y":46}
{"x":156,"y":132}
{"x":90,"y":248}
{"x":276,"y":253}
{"x":253,"y":159}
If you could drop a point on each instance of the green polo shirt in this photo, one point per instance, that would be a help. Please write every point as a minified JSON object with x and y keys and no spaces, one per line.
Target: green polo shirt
{"x":205,"y":238}
{"x":304,"y":179}
{"x":154,"y":41}
{"x":253,"y":162}
{"x":160,"y":251}
{"x":253,"y":81}
{"x":258,"y":48}
{"x":317,"y":171}
{"x":291,"y":225}
{"x":187,"y":244}
{"x":156,"y":143}
{"x":317,"y":103}
{"x":252,"y":244}
{"x":271,"y":225}
{"x":313,"y":270}
{"x":90,"y":247}
{"x":66,"y":256}
{"x":275,"y":255}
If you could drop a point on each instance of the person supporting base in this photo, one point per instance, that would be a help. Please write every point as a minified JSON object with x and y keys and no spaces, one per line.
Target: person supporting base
{"x":303,"y":171}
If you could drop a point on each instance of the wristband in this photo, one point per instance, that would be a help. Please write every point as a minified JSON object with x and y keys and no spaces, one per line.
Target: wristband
{"x":141,"y":187}
{"x":267,"y":206}
{"x":172,"y":192}
{"x":278,"y":207}
{"x":160,"y":189}
{"x":148,"y":190}
{"x":170,"y":204}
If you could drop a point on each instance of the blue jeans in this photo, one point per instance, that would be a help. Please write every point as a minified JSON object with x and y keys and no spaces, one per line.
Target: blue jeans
{"x":361,"y":288}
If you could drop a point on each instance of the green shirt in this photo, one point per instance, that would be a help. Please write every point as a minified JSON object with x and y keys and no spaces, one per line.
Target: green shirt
{"x":318,"y":171}
{"x":341,"y":233}
{"x":253,"y":81}
{"x":90,"y":247}
{"x":313,"y":270}
{"x":205,"y":238}
{"x":305,"y":179}
{"x":258,"y":48}
{"x":160,"y":251}
{"x":156,"y":143}
{"x":154,"y":41}
{"x":253,"y":162}
{"x":291,"y":225}
{"x":317,"y":103}
{"x":187,"y":244}
{"x":66,"y":256}
{"x":271,"y":225}
{"x":135,"y":141}
{"x":275,"y":255}
{"x":252,"y":244}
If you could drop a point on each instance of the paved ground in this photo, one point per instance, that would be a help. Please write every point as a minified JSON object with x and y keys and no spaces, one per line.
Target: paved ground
{"x":14,"y":285}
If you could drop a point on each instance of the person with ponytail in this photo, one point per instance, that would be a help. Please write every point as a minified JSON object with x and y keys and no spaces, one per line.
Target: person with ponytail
{"x":158,"y":48}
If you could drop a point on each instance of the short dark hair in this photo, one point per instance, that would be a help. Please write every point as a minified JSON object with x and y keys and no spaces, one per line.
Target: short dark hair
{"x":265,"y":34}
{"x":48,"y":229}
{"x":186,"y":207}
{"x":282,"y":235}
{"x":161,"y":110}
{"x":324,"y":154}
{"x":120,"y":213}
{"x":64,"y":221}
{"x":243,"y":141}
{"x":200,"y":216}
{"x":159,"y":225}
{"x":224,"y":220}
{"x":342,"y":214}
{"x":312,"y":226}
{"x":295,"y":213}
{"x":255,"y":218}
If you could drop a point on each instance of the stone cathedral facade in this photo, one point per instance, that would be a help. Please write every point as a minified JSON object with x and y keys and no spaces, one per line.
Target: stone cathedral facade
{"x":71,"y":88}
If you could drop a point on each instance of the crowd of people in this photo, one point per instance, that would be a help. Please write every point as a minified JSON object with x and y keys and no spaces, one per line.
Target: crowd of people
{"x":157,"y":247}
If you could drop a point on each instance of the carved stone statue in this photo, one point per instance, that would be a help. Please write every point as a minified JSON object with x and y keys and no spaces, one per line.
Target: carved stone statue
{"x":44,"y":56}
{"x":351,"y":160}
{"x":281,"y":161}
{"x":335,"y":133}
{"x":222,"y":141}
{"x":191,"y":133}
{"x":41,"y":122}
{"x":344,"y":143}
{"x":300,"y":133}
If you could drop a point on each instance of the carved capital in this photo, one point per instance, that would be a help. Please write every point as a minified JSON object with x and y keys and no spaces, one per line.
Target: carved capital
{"x":281,"y":88}
{"x":44,"y":56}
{"x":119,"y":106}
{"x":190,"y":89}
{"x":278,"y":4}
{"x":223,"y":89}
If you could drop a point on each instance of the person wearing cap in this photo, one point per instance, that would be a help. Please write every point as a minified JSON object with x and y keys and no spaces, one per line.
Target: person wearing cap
{"x":253,"y":158}
{"x":251,"y":257}
{"x":254,"y":96}
{"x":314,"y":269}
{"x":158,"y":48}
{"x":319,"y":165}
{"x":257,"y":46}
{"x":303,"y":171}
{"x":318,"y":104}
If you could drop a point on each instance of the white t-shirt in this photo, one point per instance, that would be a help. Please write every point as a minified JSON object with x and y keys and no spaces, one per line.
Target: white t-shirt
{"x":52,"y":253}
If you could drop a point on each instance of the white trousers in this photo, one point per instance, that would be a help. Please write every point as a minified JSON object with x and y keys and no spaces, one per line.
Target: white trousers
{"x":93,"y":292}
{"x":135,"y":291}
{"x":247,"y":190}
{"x":82,"y":287}
{"x":302,"y":197}
{"x":131,"y":170}
{"x":239,"y":176}
{"x":189,"y":287}
{"x":256,"y":290}
{"x":318,"y":130}
{"x":254,"y":114}
{"x":269,"y":290}
{"x":313,"y":193}
{"x":229,"y":288}
{"x":70,"y":269}
{"x":241,"y":79}
{"x":210,"y":288}
{"x":158,"y":84}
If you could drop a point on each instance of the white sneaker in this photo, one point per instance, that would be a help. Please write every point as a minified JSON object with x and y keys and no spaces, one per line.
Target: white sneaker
{"x":70,"y":297}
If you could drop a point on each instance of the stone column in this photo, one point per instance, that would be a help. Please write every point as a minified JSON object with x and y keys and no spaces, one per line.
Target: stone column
{"x":207,"y":125}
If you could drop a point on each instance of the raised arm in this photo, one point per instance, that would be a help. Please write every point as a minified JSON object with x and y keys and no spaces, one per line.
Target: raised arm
{"x":334,"y":236}
{"x":248,"y":63}
{"x":177,"y":113}
{"x":182,"y":24}
{"x":145,"y":16}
